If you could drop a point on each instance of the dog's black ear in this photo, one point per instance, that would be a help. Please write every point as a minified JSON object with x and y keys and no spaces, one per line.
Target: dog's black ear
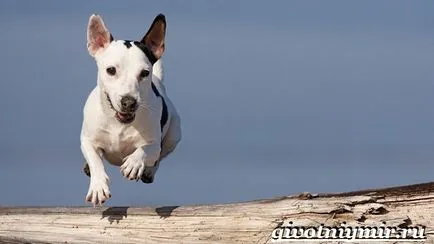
{"x":154,"y":38}
{"x":98,"y":36}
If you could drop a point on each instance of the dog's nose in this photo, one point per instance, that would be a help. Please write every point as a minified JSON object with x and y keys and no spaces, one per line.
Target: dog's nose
{"x":129,"y":104}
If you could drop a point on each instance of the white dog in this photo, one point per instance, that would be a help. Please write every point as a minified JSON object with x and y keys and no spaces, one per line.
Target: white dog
{"x":128,"y":118}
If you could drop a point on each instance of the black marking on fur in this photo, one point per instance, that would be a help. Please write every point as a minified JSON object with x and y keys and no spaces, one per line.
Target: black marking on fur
{"x":164,"y":114}
{"x":111,"y":37}
{"x":151,"y":57}
{"x":147,"y":52}
{"x":127,"y":44}
{"x":86,"y":169}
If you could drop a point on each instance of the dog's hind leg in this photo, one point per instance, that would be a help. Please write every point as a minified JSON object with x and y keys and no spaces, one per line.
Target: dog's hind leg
{"x":149,"y":173}
{"x":168,"y":144}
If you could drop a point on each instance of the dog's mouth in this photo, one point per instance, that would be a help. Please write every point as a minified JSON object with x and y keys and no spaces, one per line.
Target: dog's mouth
{"x":122,"y":117}
{"x":125,"y":118}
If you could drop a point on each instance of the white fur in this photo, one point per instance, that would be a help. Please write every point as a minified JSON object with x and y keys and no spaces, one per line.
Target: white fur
{"x":135,"y":147}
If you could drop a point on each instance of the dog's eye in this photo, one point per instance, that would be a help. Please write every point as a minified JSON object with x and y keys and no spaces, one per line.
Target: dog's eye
{"x":144,"y":73}
{"x":111,"y":70}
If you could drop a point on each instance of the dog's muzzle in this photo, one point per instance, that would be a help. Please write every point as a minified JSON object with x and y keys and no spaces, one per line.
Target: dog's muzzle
{"x":128,"y":106}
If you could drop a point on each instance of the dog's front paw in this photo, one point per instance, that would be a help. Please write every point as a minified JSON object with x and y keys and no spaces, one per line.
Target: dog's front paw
{"x":133,"y":167}
{"x":98,"y":190}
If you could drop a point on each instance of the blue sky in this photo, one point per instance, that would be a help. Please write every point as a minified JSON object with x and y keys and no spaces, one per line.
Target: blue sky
{"x":275,"y":97}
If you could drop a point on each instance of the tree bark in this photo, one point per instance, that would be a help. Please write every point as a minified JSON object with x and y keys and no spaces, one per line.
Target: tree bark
{"x":247,"y":222}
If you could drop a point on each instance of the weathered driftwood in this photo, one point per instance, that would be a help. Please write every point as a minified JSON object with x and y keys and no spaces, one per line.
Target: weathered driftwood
{"x":249,"y":222}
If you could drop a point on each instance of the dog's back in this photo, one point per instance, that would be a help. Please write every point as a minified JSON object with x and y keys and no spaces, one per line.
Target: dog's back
{"x":158,"y":77}
{"x":172,"y":130}
{"x":158,"y":71}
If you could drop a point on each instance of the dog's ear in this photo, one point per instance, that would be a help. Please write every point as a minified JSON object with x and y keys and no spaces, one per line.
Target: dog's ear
{"x":98,"y":36}
{"x":154,"y":38}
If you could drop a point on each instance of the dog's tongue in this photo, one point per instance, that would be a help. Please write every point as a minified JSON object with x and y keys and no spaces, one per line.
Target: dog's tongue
{"x":123,"y":116}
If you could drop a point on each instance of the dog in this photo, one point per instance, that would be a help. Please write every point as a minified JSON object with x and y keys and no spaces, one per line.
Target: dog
{"x":128,"y":120}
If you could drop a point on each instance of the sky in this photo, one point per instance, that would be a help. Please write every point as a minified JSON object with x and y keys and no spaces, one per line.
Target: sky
{"x":275,"y":97}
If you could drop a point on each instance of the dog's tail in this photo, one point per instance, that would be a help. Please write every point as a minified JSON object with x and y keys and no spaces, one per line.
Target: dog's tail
{"x":158,"y":71}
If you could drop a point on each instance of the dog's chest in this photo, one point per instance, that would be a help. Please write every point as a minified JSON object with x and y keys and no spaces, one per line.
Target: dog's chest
{"x":119,"y":143}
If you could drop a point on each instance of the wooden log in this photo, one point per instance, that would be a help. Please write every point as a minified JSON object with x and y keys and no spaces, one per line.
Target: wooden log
{"x":247,"y":222}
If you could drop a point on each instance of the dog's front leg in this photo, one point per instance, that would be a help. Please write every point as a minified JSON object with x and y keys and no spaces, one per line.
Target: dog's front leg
{"x":98,"y":188}
{"x":141,"y":161}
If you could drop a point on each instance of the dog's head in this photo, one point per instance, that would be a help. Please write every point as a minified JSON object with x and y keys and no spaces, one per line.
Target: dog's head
{"x":125,"y":67}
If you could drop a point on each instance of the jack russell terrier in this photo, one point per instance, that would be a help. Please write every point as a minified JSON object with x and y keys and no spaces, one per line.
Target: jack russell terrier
{"x":128,"y":119}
